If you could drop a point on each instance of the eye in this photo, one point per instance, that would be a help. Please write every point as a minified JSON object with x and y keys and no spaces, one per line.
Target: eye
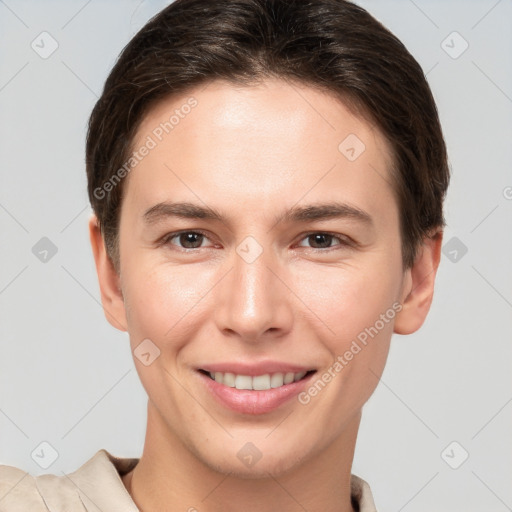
{"x":189,"y":240}
{"x":320,"y":240}
{"x":186,"y":239}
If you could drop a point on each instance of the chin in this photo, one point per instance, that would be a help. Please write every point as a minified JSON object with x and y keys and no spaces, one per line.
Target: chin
{"x":273,"y":464}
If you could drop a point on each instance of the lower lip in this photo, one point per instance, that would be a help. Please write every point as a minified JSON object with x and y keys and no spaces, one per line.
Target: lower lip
{"x":247,"y":401}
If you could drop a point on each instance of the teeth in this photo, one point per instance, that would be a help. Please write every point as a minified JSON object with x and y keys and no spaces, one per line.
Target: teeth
{"x":288,"y":378}
{"x":299,"y":376}
{"x":276,"y":380}
{"x":229,"y":380}
{"x":243,"y":382}
{"x":258,"y":382}
{"x":261,"y":382}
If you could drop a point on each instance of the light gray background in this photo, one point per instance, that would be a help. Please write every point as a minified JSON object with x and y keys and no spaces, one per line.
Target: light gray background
{"x":67,"y":377}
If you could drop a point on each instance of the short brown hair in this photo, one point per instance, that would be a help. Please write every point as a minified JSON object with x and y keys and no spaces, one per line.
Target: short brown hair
{"x":333,"y":45}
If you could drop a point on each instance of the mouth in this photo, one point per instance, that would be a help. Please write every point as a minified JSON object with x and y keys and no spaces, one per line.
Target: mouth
{"x":261,"y":382}
{"x":256,"y":394}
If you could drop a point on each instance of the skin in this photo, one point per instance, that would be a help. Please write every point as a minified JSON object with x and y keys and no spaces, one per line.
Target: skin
{"x":252,"y":153}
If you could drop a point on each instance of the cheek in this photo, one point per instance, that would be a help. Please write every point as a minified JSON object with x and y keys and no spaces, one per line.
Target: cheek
{"x":163,"y":299}
{"x":162,"y":308}
{"x":348,"y":300}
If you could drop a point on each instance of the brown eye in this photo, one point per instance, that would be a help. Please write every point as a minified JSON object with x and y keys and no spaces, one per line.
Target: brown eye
{"x":322,"y":240}
{"x":186,"y":239}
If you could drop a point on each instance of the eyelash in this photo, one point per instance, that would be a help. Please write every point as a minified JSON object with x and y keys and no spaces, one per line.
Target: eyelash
{"x":343,"y":240}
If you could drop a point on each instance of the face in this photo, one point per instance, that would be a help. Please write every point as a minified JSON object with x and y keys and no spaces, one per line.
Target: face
{"x":260,"y":260}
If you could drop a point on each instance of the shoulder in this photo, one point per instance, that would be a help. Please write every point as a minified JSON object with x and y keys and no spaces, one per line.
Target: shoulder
{"x":18,"y":491}
{"x":362,"y":498}
{"x":95,"y":483}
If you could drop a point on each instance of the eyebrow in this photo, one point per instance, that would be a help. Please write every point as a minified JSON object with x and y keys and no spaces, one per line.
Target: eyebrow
{"x":297,"y":214}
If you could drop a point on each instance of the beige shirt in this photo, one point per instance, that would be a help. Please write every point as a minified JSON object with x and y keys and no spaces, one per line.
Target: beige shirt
{"x":97,"y":487}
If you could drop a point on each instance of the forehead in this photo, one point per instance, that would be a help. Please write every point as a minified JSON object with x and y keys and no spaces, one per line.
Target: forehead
{"x":254,"y":145}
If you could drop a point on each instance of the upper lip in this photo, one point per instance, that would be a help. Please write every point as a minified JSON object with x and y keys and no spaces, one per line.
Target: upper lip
{"x":253,"y":369}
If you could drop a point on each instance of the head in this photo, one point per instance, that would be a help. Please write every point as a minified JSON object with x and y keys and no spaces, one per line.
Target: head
{"x":303,"y":145}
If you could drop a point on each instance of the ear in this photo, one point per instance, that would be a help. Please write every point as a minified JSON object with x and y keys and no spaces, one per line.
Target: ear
{"x":109,"y":281}
{"x":418,"y":288}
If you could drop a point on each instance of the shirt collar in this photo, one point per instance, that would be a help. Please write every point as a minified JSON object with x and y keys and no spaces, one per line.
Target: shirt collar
{"x":101,"y":488}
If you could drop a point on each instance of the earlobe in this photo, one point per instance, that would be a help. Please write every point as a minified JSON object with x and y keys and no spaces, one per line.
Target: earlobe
{"x":418,"y":289}
{"x":109,"y":281}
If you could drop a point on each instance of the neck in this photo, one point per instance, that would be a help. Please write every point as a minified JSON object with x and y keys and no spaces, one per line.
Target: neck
{"x":170,"y":476}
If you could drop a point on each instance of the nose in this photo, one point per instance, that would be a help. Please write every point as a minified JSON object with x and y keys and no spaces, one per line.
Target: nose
{"x":253,"y":302}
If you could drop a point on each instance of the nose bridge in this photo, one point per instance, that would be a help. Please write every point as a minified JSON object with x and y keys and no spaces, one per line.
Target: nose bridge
{"x":253,"y":300}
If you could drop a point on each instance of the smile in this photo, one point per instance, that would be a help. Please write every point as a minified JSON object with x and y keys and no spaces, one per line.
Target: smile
{"x":256,"y":382}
